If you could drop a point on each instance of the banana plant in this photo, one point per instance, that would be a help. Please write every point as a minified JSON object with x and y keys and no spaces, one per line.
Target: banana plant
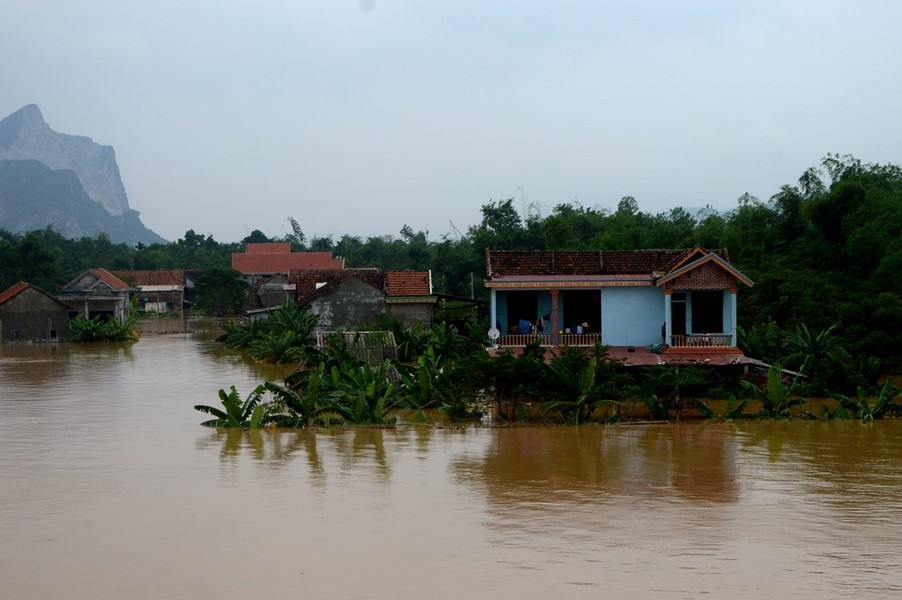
{"x":302,"y":405}
{"x":247,"y":413}
{"x":418,"y":386}
{"x":578,"y":386}
{"x":277,"y":347}
{"x":775,"y":399}
{"x":733,"y":410}
{"x":861,"y":406}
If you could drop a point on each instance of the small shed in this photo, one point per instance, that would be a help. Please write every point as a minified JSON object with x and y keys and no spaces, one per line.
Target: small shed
{"x":28,"y":313}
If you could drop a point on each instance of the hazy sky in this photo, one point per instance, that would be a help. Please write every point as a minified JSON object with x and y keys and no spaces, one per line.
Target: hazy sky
{"x":361,"y":116}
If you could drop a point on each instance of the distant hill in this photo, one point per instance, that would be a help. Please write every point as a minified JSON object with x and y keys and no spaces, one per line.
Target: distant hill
{"x":68,"y":182}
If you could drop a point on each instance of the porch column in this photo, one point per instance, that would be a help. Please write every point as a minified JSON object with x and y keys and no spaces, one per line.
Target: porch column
{"x":733,"y":341}
{"x":555,"y":324}
{"x":493,"y":309}
{"x":668,"y":317}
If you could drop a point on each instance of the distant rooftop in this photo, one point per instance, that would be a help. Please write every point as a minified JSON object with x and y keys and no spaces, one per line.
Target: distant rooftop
{"x":271,"y":258}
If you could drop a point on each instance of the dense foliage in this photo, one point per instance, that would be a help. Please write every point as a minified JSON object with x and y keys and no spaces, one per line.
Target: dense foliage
{"x":453,"y":373}
{"x":824,"y":253}
{"x":102,"y":329}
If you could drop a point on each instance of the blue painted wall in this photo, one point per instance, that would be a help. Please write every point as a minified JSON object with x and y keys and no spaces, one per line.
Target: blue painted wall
{"x":632,"y":316}
{"x":501,"y":315}
{"x":728,"y":325}
{"x":544,"y":299}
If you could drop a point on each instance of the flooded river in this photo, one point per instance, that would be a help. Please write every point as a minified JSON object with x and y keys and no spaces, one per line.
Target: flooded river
{"x":110,"y":488}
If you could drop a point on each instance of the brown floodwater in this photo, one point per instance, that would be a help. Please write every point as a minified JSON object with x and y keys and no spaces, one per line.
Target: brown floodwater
{"x":110,"y":488}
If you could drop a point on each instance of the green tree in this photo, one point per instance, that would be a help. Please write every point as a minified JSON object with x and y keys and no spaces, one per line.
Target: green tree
{"x":221,"y":292}
{"x":256,"y":237}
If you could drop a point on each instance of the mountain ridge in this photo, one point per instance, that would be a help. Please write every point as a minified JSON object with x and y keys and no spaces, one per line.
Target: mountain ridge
{"x":26,"y":136}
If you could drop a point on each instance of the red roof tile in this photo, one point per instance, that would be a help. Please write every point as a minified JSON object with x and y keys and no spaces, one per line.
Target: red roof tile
{"x":13,"y":291}
{"x":278,"y":260}
{"x":110,"y":279}
{"x":267,"y":248}
{"x":408,"y":283}
{"x":20,"y":287}
{"x":641,"y":356}
{"x":314,"y":283}
{"x":608,"y":262}
{"x":174,"y":277}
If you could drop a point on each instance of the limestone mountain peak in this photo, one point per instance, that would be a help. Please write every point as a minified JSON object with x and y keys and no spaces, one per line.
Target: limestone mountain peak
{"x":24,"y":135}
{"x":72,"y":162}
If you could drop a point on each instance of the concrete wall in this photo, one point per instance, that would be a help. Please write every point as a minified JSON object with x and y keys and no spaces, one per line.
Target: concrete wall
{"x":34,"y":316}
{"x":411,"y":313}
{"x":349,"y":306}
{"x":631,"y":316}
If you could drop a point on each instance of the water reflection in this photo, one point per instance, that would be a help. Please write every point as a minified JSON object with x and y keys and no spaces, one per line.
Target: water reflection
{"x":31,"y":364}
{"x":178,"y":322}
{"x":112,"y":489}
{"x":370,"y":449}
{"x":592,"y":463}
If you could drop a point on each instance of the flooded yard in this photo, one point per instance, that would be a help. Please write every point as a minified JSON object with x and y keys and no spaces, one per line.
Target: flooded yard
{"x":112,"y":489}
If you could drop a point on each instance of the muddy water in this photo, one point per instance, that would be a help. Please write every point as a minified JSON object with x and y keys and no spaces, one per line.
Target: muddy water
{"x":109,"y":488}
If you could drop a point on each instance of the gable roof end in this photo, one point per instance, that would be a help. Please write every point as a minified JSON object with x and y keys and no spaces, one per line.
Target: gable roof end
{"x":110,"y":279}
{"x":13,"y":291}
{"x":699,"y":262}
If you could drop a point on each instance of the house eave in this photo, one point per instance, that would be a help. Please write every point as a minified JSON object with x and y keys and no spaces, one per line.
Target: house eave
{"x":576,"y":283}
{"x":411,"y":300}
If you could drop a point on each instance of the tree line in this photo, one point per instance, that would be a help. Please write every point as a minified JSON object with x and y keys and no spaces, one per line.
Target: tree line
{"x":825,"y":253}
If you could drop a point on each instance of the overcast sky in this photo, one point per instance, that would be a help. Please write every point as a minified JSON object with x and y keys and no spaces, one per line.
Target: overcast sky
{"x":361,"y":116}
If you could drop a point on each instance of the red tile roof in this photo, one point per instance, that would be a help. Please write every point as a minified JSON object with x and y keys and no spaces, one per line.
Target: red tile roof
{"x":608,"y":262}
{"x":408,"y":283}
{"x":174,"y":277}
{"x":278,"y":258}
{"x":267,"y":248}
{"x":314,"y":283}
{"x":110,"y":279}
{"x":641,"y":356}
{"x":20,"y":287}
{"x":13,"y":291}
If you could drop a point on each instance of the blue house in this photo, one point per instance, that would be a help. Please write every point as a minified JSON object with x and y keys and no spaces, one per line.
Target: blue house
{"x":679,"y":299}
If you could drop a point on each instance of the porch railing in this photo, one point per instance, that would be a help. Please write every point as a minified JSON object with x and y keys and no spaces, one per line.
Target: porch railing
{"x":514,"y":340}
{"x":702,"y":340}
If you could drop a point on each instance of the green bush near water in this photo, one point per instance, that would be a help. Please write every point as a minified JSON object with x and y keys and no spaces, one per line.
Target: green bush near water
{"x":450,"y":371}
{"x":101,"y":329}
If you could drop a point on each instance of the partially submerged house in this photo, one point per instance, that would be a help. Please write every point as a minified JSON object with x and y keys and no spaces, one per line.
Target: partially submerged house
{"x":97,"y":293}
{"x":268,"y":295}
{"x":345,"y":299}
{"x":28,"y":313}
{"x":160,"y":290}
{"x":673,"y":301}
{"x":261,"y":261}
